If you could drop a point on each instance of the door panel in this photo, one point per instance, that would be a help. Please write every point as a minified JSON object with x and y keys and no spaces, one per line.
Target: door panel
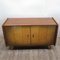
{"x":34,"y":35}
{"x":18,"y":35}
{"x":43,"y":35}
{"x":26,"y":35}
{"x":9,"y":32}
{"x":51,"y":33}
{"x":46,"y":35}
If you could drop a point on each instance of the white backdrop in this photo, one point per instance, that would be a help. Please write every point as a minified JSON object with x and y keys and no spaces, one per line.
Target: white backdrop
{"x":30,"y":8}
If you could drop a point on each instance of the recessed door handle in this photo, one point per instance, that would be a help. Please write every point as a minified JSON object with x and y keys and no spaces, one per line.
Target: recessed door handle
{"x":33,"y":35}
{"x":27,"y":35}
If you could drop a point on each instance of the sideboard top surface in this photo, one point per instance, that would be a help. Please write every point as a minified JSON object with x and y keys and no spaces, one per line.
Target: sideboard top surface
{"x":29,"y":21}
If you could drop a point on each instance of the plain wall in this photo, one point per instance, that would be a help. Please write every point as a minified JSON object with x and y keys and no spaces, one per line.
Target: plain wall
{"x":30,"y":8}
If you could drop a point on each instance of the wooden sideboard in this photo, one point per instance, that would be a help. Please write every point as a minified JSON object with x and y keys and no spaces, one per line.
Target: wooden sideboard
{"x":30,"y":31}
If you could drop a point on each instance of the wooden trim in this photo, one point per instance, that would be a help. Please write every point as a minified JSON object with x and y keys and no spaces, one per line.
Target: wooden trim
{"x":56,"y":31}
{"x":4,"y":22}
{"x":30,"y":35}
{"x":29,"y":25}
{"x":54,"y":20}
{"x":4,"y":34}
{"x":23,"y":24}
{"x":31,"y":47}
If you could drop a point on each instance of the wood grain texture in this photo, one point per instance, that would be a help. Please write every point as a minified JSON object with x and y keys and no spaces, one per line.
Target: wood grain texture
{"x":29,"y":21}
{"x":43,"y":35}
{"x":46,"y":35}
{"x":9,"y":31}
{"x":51,"y":34}
{"x":34,"y":35}
{"x":18,"y":35}
{"x":29,"y":35}
{"x":26,"y":35}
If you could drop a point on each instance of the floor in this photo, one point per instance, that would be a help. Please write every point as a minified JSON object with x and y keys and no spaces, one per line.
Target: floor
{"x":32,"y":54}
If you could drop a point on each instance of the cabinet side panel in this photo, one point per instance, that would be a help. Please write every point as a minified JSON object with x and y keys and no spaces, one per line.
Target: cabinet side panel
{"x":4,"y":34}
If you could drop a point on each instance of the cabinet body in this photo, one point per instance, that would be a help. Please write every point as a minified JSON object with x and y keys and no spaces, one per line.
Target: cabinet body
{"x":30,"y":35}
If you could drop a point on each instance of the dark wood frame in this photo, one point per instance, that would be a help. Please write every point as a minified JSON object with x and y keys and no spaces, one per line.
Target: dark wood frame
{"x":56,"y":31}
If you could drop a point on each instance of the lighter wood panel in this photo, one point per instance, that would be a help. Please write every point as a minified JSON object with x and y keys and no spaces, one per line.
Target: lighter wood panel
{"x":18,"y":35}
{"x":46,"y":35}
{"x":9,"y":31}
{"x":34,"y":35}
{"x":26,"y":35}
{"x":43,"y":35}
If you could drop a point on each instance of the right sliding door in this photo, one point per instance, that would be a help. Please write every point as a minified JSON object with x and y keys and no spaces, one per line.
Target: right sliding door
{"x":46,"y":35}
{"x":51,"y":34}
